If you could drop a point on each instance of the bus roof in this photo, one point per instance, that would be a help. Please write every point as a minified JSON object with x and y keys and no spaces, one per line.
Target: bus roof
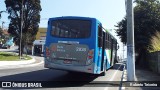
{"x":72,"y":17}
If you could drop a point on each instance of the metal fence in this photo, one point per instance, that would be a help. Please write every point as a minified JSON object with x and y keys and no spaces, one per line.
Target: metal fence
{"x":154,"y":61}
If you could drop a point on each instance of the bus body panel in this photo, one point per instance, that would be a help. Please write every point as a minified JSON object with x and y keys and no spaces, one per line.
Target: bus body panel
{"x":73,"y":42}
{"x":108,"y":55}
{"x":77,"y":51}
{"x":81,"y":41}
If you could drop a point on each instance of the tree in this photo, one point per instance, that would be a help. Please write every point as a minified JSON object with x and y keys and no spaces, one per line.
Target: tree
{"x":1,"y":13}
{"x":31,"y":19}
{"x":155,"y":43}
{"x":0,"y":35}
{"x":3,"y":37}
{"x":147,"y":22}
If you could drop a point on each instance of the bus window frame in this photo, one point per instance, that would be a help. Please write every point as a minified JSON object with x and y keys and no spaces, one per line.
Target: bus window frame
{"x":74,"y":31}
{"x":100,"y":35}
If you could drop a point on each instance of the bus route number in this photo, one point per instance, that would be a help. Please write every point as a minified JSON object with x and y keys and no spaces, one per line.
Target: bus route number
{"x":80,"y":49}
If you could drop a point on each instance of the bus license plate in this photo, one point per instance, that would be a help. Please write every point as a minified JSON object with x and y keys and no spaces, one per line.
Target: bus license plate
{"x":67,"y":61}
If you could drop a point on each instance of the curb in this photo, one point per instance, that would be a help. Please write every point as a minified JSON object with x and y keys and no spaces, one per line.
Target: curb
{"x":19,"y":64}
{"x":4,"y":63}
{"x":123,"y":78}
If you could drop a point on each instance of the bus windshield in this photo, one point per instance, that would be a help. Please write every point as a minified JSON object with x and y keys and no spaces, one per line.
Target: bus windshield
{"x":71,"y":28}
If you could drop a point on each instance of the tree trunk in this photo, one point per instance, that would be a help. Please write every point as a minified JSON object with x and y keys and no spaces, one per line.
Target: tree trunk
{"x":22,"y":46}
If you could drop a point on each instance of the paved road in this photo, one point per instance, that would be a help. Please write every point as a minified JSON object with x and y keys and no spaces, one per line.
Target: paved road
{"x":39,"y":73}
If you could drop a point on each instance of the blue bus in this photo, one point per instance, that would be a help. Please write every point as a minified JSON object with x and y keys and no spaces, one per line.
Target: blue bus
{"x":79,"y":44}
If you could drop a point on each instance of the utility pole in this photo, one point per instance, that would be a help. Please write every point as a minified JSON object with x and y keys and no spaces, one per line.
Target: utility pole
{"x":130,"y":42}
{"x":123,"y":51}
{"x":21,"y":31}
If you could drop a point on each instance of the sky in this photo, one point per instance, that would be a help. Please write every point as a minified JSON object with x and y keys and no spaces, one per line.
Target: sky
{"x":108,"y":12}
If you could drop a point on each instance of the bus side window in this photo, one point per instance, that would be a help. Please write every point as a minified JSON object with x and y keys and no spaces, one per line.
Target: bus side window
{"x":100,"y":36}
{"x":109,"y":41}
{"x":53,"y":32}
{"x":106,"y":40}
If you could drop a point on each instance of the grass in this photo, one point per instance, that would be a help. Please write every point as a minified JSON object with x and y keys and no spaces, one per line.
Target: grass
{"x":5,"y":56}
{"x":155,"y":43}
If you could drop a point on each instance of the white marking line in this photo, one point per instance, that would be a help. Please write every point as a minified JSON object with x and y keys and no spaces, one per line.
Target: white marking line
{"x":124,"y":79}
{"x":106,"y":88}
{"x":114,"y":74}
{"x":123,"y":88}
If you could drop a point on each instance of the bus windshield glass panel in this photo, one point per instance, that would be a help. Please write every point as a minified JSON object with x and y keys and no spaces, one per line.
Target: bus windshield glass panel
{"x":71,"y":28}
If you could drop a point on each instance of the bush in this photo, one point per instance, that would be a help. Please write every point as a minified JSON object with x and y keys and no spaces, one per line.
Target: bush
{"x":155,"y":42}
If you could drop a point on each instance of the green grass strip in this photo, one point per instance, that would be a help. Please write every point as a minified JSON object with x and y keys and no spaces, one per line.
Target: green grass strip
{"x":5,"y":56}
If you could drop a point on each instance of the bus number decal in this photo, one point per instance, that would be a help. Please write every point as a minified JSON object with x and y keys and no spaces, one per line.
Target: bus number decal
{"x":80,"y":49}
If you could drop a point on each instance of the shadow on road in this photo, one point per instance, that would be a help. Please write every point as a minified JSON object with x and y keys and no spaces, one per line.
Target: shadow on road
{"x":118,"y":66}
{"x":47,"y":75}
{"x":54,"y":77}
{"x":58,"y":78}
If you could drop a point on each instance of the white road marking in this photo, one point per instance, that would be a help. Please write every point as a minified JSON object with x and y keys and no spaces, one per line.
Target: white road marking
{"x":106,"y":88}
{"x":114,"y":74}
{"x":124,"y":79}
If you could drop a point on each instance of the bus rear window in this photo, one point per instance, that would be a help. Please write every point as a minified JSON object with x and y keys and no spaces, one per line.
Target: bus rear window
{"x":71,"y":28}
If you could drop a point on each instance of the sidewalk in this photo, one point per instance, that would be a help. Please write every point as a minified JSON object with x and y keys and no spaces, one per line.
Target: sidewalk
{"x":146,"y":75}
{"x":19,"y":64}
{"x":142,"y":74}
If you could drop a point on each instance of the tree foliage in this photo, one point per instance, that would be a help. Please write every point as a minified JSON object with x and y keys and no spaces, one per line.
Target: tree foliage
{"x":31,"y":19}
{"x":3,"y":37}
{"x":155,"y":43}
{"x":146,"y":23}
{"x":1,"y":13}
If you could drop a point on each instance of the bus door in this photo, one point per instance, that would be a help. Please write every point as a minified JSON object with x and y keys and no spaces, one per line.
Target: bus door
{"x":101,"y":44}
{"x":103,"y":51}
{"x":112,"y":61}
